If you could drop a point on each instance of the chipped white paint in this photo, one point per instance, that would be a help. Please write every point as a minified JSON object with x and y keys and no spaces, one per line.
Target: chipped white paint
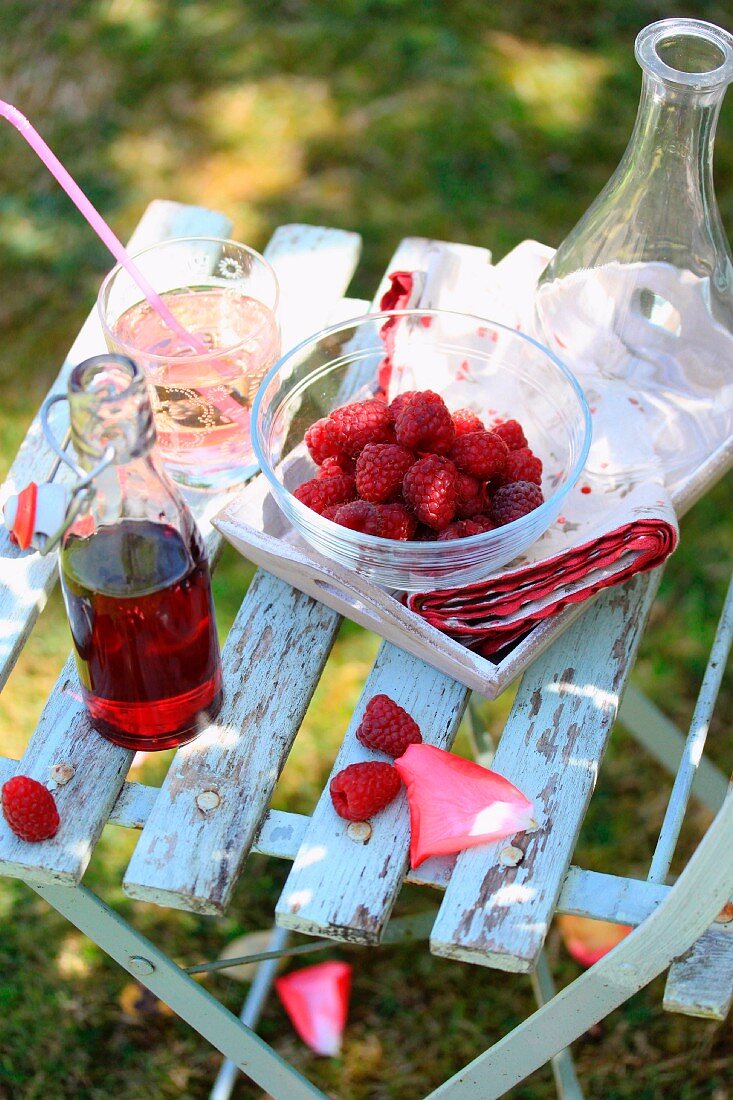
{"x":348,"y":893}
{"x":550,"y":749}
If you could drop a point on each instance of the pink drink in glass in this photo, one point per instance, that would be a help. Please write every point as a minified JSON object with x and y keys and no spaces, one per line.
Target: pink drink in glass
{"x":201,"y":401}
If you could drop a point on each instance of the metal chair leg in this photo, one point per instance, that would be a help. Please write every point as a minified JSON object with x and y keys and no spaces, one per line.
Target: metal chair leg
{"x":563,"y":1069}
{"x":251,"y":1010}
{"x":194,"y":1004}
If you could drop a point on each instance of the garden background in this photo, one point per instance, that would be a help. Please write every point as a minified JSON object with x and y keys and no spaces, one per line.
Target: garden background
{"x":457,"y":119}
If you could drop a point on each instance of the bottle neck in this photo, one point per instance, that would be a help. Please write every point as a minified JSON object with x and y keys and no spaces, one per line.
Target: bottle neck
{"x":110,"y":408}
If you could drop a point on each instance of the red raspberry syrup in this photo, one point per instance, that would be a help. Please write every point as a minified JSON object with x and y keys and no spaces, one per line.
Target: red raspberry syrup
{"x":148,"y":662}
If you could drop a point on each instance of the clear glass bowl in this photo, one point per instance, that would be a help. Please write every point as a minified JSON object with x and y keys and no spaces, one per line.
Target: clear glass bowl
{"x":516,"y":377}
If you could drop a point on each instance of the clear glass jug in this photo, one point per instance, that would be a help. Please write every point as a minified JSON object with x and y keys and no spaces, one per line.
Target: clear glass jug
{"x":641,"y":291}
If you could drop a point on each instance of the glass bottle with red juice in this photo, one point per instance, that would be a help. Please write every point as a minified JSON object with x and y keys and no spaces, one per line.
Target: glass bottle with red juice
{"x":134,"y":574}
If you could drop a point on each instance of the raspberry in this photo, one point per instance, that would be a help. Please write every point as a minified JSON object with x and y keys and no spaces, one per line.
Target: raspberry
{"x":360,"y":515}
{"x":336,"y":464}
{"x":461,"y":529}
{"x":397,"y":522}
{"x":323,"y":440}
{"x":401,"y":401}
{"x":361,"y":790}
{"x":511,"y":432}
{"x":29,"y":809}
{"x":465,"y":421}
{"x":430,"y":490}
{"x":470,"y":496}
{"x":380,"y":469}
{"x":330,"y":512}
{"x":319,"y":493}
{"x":516,"y":500}
{"x":387,"y":727}
{"x":425,"y":424}
{"x":523,"y":465}
{"x":363,"y":422}
{"x":484,"y":522}
{"x":481,"y":454}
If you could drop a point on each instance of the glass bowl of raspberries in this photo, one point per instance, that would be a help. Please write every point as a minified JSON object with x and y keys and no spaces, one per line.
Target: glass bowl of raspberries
{"x":425,"y":449}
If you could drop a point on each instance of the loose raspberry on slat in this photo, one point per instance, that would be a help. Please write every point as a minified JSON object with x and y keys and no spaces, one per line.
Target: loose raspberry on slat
{"x":360,"y":515}
{"x":471,"y":496}
{"x":425,"y":424}
{"x":363,"y":422}
{"x":512,"y":433}
{"x":523,"y":465}
{"x":323,"y":440}
{"x":465,"y":421}
{"x":397,"y":522}
{"x":480,"y":454}
{"x":362,"y":790}
{"x":514,"y":501}
{"x":430,"y":490}
{"x":380,"y":470}
{"x":319,"y":493}
{"x":387,"y":727}
{"x":401,"y":401}
{"x":30,"y":809}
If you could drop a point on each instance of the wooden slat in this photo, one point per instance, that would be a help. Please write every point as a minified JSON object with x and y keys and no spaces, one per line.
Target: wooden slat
{"x":314,"y":266}
{"x":700,"y":983}
{"x":218,"y":787}
{"x":585,"y":893}
{"x":27,"y":578}
{"x":551,"y":749}
{"x":345,"y":889}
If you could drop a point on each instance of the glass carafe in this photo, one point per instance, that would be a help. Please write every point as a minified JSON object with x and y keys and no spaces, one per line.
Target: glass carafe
{"x":134,"y":573}
{"x":641,"y":291}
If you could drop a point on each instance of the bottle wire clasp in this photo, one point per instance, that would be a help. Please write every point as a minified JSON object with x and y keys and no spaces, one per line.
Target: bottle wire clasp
{"x":39,"y":515}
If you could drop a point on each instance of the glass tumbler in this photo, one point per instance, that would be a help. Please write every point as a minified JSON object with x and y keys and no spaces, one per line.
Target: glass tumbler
{"x":203,"y":374}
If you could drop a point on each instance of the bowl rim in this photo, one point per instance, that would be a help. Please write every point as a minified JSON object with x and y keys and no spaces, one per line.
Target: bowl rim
{"x":396,"y":546}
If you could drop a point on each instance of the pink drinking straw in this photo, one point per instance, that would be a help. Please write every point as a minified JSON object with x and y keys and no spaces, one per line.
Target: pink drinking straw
{"x":226,"y":405}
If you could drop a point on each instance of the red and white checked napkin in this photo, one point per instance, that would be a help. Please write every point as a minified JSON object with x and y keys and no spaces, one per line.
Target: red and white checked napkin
{"x":617,"y":521}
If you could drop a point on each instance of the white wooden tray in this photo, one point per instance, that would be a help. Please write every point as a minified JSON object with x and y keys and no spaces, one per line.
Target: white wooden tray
{"x":254,"y":524}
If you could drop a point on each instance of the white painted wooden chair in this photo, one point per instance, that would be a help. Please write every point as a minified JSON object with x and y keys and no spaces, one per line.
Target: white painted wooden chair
{"x":213,"y":808}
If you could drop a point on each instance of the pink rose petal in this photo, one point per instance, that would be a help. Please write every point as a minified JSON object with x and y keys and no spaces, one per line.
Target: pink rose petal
{"x":588,"y":940}
{"x":316,"y":999}
{"x":456,"y":804}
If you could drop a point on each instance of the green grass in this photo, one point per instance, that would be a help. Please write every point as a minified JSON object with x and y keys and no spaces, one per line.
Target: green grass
{"x":467,"y":121}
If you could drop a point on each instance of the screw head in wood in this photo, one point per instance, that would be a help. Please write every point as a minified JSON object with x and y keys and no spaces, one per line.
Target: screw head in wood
{"x":208,"y":800}
{"x":359,"y":832}
{"x":61,"y":773}
{"x":510,"y":856}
